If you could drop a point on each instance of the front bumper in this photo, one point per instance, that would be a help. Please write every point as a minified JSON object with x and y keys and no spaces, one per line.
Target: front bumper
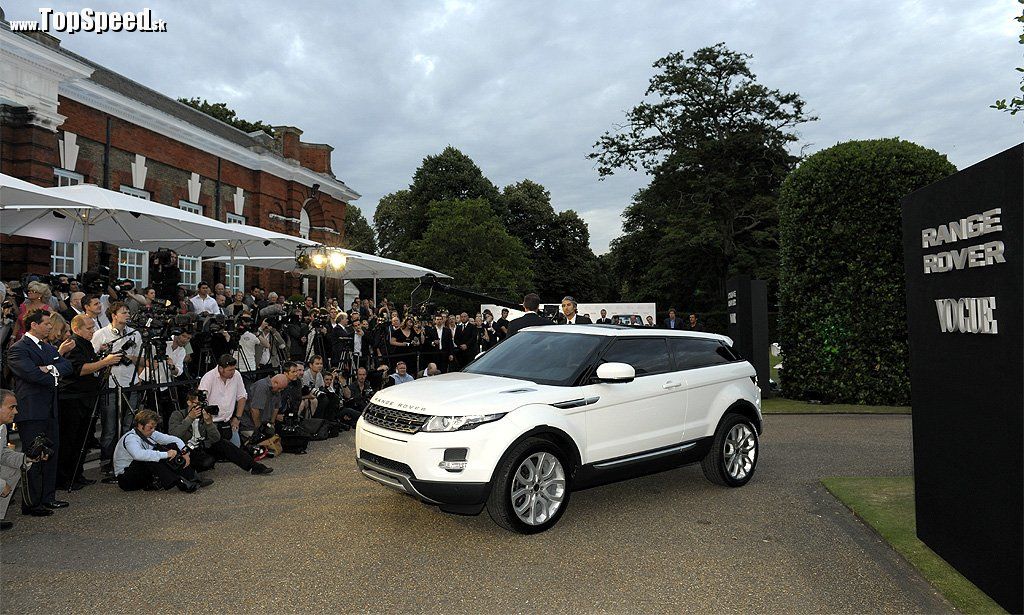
{"x":410,"y":465}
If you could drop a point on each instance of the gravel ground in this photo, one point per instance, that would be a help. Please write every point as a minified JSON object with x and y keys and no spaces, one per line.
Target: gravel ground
{"x":317,"y":537}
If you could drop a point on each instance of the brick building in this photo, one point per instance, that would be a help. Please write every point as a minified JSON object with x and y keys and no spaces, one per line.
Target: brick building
{"x":67,"y":120}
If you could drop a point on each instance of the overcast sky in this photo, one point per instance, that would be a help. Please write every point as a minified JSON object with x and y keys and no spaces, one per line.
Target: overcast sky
{"x":525,"y":88}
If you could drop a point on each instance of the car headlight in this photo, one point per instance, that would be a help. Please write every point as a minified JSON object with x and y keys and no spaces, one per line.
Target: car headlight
{"x":457,"y":423}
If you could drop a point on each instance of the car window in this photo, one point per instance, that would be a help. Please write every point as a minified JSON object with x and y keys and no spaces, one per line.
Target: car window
{"x":693,"y":352}
{"x":544,"y":358}
{"x":647,"y":355}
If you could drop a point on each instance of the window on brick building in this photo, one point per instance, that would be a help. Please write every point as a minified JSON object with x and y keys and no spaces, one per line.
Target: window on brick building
{"x":235,"y":279}
{"x":65,"y":257}
{"x":133,"y":264}
{"x":191,"y":266}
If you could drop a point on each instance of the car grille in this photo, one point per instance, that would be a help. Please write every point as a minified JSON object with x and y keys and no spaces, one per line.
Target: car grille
{"x":384,"y":462}
{"x":395,"y":420}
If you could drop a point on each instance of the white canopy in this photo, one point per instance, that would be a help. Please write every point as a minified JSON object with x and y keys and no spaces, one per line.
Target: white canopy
{"x":255,"y":242}
{"x":17,"y":195}
{"x":358,"y":266}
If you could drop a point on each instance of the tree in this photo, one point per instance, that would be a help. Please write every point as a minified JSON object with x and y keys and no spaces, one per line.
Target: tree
{"x":558,"y":244}
{"x":715,"y":143}
{"x":402,"y":217}
{"x":358,"y":234}
{"x":466,"y":240}
{"x":221,"y":112}
{"x":842,"y":303}
{"x":1016,"y":104}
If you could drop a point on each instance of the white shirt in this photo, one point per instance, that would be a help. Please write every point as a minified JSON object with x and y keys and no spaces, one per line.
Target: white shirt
{"x":223,"y":395}
{"x":177,"y":357}
{"x":119,"y":374}
{"x":201,"y":305}
{"x":357,"y":343}
{"x":246,"y":353}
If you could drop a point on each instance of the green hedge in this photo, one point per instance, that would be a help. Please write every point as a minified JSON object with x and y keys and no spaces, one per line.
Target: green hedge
{"x":842,"y":320}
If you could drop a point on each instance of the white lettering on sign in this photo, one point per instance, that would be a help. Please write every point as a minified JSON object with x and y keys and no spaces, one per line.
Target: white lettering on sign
{"x":967,"y":315}
{"x":974,"y":256}
{"x":965,"y":228}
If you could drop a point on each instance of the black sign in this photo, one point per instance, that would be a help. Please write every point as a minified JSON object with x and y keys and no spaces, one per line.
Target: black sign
{"x":962,"y":241}
{"x":747,"y":306}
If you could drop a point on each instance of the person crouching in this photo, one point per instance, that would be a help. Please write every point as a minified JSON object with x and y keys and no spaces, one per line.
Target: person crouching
{"x":195,"y":425}
{"x":143,"y":458}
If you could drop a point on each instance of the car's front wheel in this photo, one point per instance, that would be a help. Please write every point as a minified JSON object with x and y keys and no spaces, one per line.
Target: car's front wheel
{"x":531,"y":489}
{"x":733,"y":456}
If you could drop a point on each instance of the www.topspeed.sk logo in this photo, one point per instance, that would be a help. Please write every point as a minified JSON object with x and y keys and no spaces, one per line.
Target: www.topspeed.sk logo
{"x":89,"y":20}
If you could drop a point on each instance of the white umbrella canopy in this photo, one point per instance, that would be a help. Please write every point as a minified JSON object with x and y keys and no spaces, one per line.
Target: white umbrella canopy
{"x":18,"y":194}
{"x":358,"y":266}
{"x":255,"y":242}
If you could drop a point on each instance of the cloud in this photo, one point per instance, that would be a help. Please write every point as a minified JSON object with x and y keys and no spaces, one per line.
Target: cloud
{"x":526,"y":88}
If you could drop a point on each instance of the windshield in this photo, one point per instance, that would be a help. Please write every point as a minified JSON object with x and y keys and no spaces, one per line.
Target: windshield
{"x":543,"y":358}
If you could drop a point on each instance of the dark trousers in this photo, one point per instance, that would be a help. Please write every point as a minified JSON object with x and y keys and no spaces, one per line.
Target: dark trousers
{"x":42,"y":477}
{"x":225,"y":450}
{"x":74,"y":427}
{"x":140,"y":474}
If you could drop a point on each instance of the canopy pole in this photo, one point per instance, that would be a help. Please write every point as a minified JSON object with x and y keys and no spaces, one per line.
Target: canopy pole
{"x":231,"y":273}
{"x":85,"y":248}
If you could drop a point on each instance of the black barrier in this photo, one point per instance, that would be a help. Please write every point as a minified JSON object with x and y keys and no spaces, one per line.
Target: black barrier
{"x":963,"y":240}
{"x":747,"y":304}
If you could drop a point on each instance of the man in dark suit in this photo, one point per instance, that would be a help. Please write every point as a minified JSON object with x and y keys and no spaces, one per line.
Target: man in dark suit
{"x":572,"y":317}
{"x":531,"y":303}
{"x":604,"y":320}
{"x":38,"y":367}
{"x":440,"y":341}
{"x":672,"y":322}
{"x":465,"y":335}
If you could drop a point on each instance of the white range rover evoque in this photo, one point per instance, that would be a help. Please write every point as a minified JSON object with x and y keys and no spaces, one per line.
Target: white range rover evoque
{"x":559,"y":408}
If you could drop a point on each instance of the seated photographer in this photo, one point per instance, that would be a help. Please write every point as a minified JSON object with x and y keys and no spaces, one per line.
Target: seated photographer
{"x":357,"y":393}
{"x":329,"y":403}
{"x":401,"y":375}
{"x":264,"y":403}
{"x":312,"y":383}
{"x":194,"y":424}
{"x":145,"y":459}
{"x":226,"y":393}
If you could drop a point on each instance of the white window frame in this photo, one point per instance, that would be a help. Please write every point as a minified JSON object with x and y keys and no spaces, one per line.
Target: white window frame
{"x":136,"y":192}
{"x":126,"y":268}
{"x":235,"y":280}
{"x":191,"y":267}
{"x":60,"y":262}
{"x":68,"y":178}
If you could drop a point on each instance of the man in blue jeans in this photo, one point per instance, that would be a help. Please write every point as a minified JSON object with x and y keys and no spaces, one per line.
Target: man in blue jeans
{"x":117,"y":406}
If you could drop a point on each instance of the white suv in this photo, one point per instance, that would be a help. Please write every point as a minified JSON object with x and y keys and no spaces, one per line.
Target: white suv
{"x":560,"y":408}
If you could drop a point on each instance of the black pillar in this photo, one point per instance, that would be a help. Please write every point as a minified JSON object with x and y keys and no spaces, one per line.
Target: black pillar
{"x":962,"y":244}
{"x":747,"y":302}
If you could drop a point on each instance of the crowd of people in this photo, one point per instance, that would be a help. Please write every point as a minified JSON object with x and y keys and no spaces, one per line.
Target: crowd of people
{"x":176,"y":387}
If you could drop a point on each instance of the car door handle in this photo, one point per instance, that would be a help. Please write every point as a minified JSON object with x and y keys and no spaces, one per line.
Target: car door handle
{"x":672,"y":384}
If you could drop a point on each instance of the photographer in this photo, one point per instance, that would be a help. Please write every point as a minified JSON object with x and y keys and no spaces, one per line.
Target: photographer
{"x":329,"y":401}
{"x":357,"y":394}
{"x":38,"y":367}
{"x":93,"y":307}
{"x":249,"y":343}
{"x":226,"y":393}
{"x":264,"y":403}
{"x":79,"y":394}
{"x":295,"y":332}
{"x":117,"y":338}
{"x":194,"y":424}
{"x":142,"y":456}
{"x":11,"y":463}
{"x":203,"y":302}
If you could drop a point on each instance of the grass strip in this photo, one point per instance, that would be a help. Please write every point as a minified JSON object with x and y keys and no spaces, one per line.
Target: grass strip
{"x":886,"y":504}
{"x":779,"y":405}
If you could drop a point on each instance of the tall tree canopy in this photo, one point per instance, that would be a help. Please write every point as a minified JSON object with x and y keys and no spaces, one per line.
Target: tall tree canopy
{"x":358,"y":233}
{"x":556,"y":246}
{"x":715,"y":143}
{"x":466,"y":240}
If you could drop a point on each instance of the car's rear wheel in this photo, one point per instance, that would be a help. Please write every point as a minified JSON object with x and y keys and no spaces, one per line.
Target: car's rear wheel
{"x":531,"y":488}
{"x":733,"y":456}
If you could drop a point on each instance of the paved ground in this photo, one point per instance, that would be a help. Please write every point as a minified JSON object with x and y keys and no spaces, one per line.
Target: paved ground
{"x":316,"y":536}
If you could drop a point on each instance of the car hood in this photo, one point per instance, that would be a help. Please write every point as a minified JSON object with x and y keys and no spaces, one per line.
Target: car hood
{"x":460,"y":394}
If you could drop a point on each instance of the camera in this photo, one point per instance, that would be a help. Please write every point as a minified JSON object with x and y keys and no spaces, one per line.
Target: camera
{"x":40,"y":447}
{"x":204,"y":402}
{"x":178,"y":462}
{"x":128,"y":345}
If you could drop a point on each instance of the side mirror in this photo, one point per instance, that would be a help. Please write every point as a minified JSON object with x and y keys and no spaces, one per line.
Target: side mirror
{"x":612,"y":373}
